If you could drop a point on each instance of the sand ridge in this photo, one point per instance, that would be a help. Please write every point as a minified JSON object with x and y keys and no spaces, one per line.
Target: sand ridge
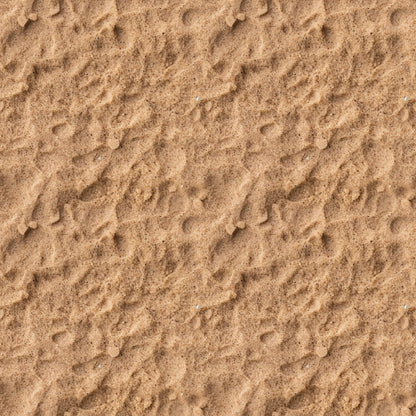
{"x":207,"y":207}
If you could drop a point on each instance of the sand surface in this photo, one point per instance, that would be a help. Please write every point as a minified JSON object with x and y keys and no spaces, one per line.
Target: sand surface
{"x":207,"y":208}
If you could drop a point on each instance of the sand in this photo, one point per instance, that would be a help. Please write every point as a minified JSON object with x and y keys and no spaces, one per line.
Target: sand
{"x":207,"y":207}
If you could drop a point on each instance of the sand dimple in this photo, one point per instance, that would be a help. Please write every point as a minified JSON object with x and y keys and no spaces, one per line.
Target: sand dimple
{"x":398,"y":16}
{"x":399,"y":225}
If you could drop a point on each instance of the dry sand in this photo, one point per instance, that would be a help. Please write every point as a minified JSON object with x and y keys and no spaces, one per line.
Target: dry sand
{"x":207,"y":207}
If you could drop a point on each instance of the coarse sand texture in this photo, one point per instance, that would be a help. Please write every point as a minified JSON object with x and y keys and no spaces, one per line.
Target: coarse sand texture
{"x":207,"y":208}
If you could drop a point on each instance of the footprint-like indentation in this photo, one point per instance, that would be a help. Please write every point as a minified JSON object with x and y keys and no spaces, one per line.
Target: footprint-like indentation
{"x":171,"y":54}
{"x":94,"y":399}
{"x":246,"y":6}
{"x":398,"y":17}
{"x":329,"y":36}
{"x":11,"y":275}
{"x":398,"y":225}
{"x":379,"y":262}
{"x":190,"y":225}
{"x":11,"y":67}
{"x":302,"y":399}
{"x":329,"y":244}
{"x":220,"y":67}
{"x":379,"y":54}
{"x":186,"y":45}
{"x":94,"y":191}
{"x":123,"y":32}
{"x":62,"y":130}
{"x":121,"y":35}
{"x":302,"y":191}
{"x":189,"y":17}
{"x":126,"y":209}
{"x":220,"y":275}
{"x":121,"y":243}
{"x":270,"y":130}
{"x":269,"y":338}
{"x":62,"y":338}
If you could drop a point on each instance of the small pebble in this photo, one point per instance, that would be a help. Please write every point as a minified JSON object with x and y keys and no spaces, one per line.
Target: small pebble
{"x":380,"y":188}
{"x":197,"y":99}
{"x":406,"y":99}
{"x":203,"y":195}
{"x":22,"y":20}
{"x":172,"y":188}
{"x":147,"y":403}
{"x":321,"y":351}
{"x":22,"y":228}
{"x":307,"y":365}
{"x":198,"y":204}
{"x":263,"y":218}
{"x":229,"y":228}
{"x":113,"y":351}
{"x":405,"y":412}
{"x":321,"y":143}
{"x":307,"y":157}
{"x":406,"y":307}
{"x":406,"y":204}
{"x":241,"y":17}
{"x":147,"y":194}
{"x":99,"y":158}
{"x":230,"y":20}
{"x":113,"y":144}
{"x":33,"y":225}
{"x":197,"y":307}
{"x":197,"y":412}
{"x":99,"y":365}
{"x":241,"y":225}
{"x":33,"y":17}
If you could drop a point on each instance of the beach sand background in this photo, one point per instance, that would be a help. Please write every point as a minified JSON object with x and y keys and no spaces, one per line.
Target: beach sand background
{"x":207,"y":208}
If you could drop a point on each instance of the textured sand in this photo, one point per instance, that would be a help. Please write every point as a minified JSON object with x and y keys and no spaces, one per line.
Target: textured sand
{"x":207,"y":207}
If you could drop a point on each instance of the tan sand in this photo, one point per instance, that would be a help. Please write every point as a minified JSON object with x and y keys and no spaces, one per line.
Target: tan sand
{"x":207,"y":207}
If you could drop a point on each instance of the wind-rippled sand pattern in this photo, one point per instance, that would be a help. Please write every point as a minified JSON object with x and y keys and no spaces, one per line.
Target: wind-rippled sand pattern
{"x":207,"y":208}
